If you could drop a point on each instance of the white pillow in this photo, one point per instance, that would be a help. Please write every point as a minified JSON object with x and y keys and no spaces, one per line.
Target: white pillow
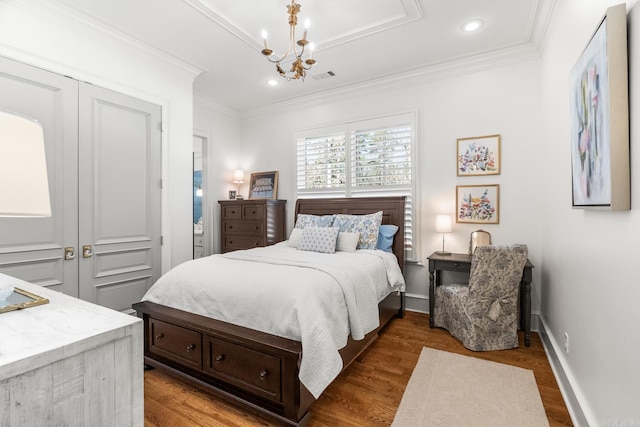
{"x":319,"y":239}
{"x":347,"y":242}
{"x":294,"y":238}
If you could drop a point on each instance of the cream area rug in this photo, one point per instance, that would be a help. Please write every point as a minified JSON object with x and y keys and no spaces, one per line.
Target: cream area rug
{"x":448,"y":389}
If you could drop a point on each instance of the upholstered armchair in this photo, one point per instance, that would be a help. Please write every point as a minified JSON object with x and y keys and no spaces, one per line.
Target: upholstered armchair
{"x":483,"y":315}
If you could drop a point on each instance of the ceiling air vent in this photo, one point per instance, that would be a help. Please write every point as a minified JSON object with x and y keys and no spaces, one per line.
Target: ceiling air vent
{"x":326,"y":75}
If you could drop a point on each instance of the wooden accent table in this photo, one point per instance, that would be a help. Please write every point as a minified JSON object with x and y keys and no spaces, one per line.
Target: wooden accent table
{"x":462,"y":262}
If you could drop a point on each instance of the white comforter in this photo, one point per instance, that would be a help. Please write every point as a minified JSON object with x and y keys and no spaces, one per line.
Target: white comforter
{"x":318,"y":299}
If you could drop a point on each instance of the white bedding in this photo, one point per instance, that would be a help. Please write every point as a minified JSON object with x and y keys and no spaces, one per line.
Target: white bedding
{"x":317,"y":299}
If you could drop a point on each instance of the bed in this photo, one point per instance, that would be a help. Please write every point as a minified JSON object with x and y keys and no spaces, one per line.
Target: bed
{"x":249,"y":366}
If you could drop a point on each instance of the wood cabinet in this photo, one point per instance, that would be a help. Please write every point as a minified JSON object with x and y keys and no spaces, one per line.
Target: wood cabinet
{"x":251,"y":223}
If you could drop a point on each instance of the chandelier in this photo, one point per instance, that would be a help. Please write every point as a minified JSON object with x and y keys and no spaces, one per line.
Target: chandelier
{"x":299,"y":67}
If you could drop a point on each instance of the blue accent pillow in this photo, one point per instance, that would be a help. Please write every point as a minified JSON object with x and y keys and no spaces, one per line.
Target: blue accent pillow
{"x":385,"y":237}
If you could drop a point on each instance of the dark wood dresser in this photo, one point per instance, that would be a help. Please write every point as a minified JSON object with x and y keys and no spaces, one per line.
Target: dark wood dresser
{"x":251,"y":223}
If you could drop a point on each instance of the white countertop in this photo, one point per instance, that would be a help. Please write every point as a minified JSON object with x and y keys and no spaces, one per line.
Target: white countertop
{"x":36,"y":336}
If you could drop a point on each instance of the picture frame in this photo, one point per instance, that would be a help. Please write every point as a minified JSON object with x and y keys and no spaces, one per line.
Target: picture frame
{"x":233,"y":194}
{"x":478,"y":204}
{"x":478,"y":155}
{"x":263,"y":185}
{"x":21,"y":299}
{"x":599,"y":108}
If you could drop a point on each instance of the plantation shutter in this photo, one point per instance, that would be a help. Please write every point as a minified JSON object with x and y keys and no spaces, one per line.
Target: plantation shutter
{"x":367,"y":158}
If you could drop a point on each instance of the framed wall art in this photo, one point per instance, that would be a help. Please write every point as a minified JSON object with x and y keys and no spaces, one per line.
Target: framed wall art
{"x":600,"y":118}
{"x":479,"y":155}
{"x":263,"y":185}
{"x":477,"y":204}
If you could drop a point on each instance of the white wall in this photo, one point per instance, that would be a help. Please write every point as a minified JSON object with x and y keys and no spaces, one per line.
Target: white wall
{"x":51,"y":37}
{"x":503,"y":101}
{"x":590,"y":286}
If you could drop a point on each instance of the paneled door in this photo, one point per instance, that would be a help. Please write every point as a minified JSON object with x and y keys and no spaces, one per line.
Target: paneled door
{"x":119,"y":186}
{"x":33,"y":249}
{"x":102,"y":242}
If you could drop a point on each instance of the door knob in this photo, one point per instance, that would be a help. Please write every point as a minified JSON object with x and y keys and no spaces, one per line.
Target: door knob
{"x":87,"y":251}
{"x":69,"y":253}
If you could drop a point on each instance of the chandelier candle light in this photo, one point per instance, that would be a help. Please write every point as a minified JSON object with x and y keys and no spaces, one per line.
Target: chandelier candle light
{"x":298,"y":69}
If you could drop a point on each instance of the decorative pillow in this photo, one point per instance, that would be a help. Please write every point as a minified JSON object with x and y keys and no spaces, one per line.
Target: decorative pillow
{"x":294,"y":238}
{"x":366,"y":225}
{"x":319,"y":239}
{"x":385,"y":237}
{"x":305,"y":220}
{"x":347,"y":242}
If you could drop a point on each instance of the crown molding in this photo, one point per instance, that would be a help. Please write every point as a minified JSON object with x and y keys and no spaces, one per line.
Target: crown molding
{"x":205,"y":102}
{"x":481,"y":62}
{"x":92,"y":29}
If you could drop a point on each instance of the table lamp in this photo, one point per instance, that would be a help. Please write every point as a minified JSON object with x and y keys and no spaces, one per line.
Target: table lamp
{"x":238,"y":178}
{"x":24,"y":187}
{"x":443,"y":225}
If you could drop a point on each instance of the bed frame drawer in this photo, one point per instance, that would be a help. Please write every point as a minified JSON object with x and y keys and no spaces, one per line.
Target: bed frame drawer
{"x":250,"y":369}
{"x":178,"y":344}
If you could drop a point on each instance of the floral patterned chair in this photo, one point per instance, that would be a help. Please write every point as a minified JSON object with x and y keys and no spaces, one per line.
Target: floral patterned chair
{"x":484,"y":314}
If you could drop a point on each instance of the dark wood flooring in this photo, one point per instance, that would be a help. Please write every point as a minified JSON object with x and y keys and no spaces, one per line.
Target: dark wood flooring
{"x":367,"y":393}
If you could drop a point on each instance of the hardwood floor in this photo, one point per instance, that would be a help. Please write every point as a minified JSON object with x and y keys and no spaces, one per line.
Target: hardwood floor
{"x":367,"y":393}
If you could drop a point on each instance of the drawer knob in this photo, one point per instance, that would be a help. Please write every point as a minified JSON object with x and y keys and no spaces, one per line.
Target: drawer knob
{"x":253,"y":212}
{"x":219,"y":358}
{"x":233,"y":212}
{"x":190,"y":347}
{"x":230,"y":227}
{"x":455,"y":264}
{"x":159,"y":336}
{"x":263,"y":374}
{"x":256,"y":228}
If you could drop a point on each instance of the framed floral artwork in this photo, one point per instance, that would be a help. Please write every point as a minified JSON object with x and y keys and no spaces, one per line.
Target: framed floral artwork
{"x":478,"y":155}
{"x":478,"y":204}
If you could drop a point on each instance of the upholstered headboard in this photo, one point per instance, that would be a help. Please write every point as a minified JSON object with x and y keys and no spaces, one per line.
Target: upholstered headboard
{"x":392,"y":213}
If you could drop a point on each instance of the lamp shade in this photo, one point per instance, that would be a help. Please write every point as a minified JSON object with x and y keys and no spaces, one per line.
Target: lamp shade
{"x":443,"y":224}
{"x":238,"y":176}
{"x":24,"y":187}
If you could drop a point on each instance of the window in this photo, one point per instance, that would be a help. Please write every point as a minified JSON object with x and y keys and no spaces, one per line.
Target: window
{"x":366,"y":158}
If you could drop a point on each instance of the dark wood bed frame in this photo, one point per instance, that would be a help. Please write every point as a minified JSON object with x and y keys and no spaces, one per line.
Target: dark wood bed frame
{"x":255,"y":370}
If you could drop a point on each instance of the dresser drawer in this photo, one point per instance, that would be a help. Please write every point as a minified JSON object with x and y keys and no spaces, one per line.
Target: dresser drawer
{"x":244,"y":227}
{"x":178,"y":344}
{"x":233,"y":212}
{"x":233,"y":243}
{"x":251,"y":369}
{"x":253,"y":212}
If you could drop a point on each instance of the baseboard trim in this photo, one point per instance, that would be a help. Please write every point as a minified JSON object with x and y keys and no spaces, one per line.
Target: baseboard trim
{"x":576,"y":404}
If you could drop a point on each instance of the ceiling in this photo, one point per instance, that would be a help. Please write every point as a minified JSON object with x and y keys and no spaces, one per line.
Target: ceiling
{"x":360,"y":41}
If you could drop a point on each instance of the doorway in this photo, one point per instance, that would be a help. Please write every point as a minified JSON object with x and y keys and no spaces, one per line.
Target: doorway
{"x":199,"y":198}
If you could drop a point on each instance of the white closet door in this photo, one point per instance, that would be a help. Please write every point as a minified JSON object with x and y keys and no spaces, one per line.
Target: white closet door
{"x":119,"y":197}
{"x":33,"y":248}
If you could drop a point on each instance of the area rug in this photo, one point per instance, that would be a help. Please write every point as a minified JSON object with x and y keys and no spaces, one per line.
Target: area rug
{"x":448,"y":389}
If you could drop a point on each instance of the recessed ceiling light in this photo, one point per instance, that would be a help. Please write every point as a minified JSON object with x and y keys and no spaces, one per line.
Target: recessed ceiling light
{"x":472,"y":25}
{"x":272,"y":82}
